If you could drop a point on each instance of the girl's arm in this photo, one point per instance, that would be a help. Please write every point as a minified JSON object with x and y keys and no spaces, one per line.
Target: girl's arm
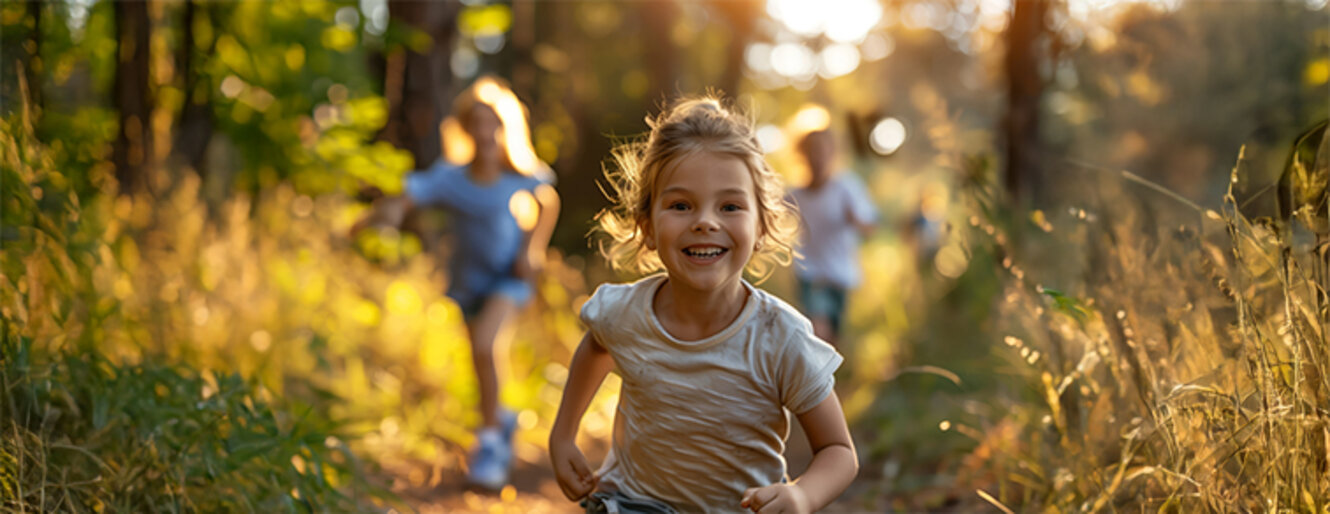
{"x":591,"y":362}
{"x":537,"y":240}
{"x":387,"y":211}
{"x":833,"y":468}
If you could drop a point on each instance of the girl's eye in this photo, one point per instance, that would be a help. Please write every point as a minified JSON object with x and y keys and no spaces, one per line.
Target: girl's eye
{"x":731,"y":207}
{"x":677,"y":206}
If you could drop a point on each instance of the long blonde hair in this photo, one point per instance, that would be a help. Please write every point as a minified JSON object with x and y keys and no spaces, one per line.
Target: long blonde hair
{"x":494,"y":92}
{"x":689,"y":126}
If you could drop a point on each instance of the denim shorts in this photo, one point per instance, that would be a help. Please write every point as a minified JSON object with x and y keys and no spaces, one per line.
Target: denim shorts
{"x":471,"y":302}
{"x":823,"y":301}
{"x":601,"y":502}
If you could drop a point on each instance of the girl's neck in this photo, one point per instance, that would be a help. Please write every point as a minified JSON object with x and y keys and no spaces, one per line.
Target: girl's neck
{"x":694,"y":314}
{"x":485,"y":169}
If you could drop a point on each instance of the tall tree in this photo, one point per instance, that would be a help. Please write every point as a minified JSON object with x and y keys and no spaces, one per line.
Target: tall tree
{"x":522,"y":49}
{"x":195,"y":126}
{"x":418,"y":84}
{"x":133,"y":145}
{"x":658,"y":19}
{"x":1026,"y":50}
{"x":32,"y":55}
{"x":740,"y":15}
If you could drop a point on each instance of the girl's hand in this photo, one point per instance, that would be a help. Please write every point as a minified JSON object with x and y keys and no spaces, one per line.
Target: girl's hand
{"x":387,"y":211}
{"x":572,"y":471}
{"x":777,"y":498}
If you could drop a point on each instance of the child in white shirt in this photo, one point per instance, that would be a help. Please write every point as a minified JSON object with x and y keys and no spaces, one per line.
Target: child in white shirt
{"x":710,"y":364}
{"x":835,"y":212}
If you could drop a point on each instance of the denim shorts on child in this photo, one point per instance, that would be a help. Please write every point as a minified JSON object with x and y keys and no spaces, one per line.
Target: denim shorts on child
{"x":822,"y":300}
{"x":601,"y":502}
{"x":474,"y":289}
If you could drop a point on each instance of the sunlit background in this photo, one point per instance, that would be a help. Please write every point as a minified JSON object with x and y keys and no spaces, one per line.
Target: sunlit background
{"x":180,"y":178}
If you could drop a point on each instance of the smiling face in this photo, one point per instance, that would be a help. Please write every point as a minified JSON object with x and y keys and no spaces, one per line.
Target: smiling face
{"x":704,"y":221}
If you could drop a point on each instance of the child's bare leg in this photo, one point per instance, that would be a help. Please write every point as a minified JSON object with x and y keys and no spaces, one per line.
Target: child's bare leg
{"x":489,"y":330}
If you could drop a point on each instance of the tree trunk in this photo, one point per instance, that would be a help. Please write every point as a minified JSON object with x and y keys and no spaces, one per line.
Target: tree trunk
{"x":195,"y":126}
{"x":740,"y":14}
{"x":521,"y":50}
{"x":418,"y":85}
{"x":1025,"y":35}
{"x":133,"y":145}
{"x":658,"y":18}
{"x":32,"y":57}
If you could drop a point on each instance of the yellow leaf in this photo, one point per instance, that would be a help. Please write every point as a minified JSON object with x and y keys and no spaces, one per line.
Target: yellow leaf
{"x":366,"y":312}
{"x":234,"y":55}
{"x":485,"y":21}
{"x":403,"y":299}
{"x":338,"y":38}
{"x":295,"y":57}
{"x":1318,"y":72}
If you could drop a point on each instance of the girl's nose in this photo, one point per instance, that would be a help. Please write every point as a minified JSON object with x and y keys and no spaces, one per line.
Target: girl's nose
{"x":705,"y":223}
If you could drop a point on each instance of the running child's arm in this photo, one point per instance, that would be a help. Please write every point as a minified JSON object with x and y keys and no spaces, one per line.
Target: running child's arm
{"x":388,"y":211}
{"x":865,"y":228}
{"x":833,"y":468}
{"x":537,"y":240}
{"x":591,"y":362}
{"x":860,"y":211}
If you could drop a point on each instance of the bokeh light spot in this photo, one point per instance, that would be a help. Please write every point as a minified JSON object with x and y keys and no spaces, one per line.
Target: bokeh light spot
{"x":887,"y":136}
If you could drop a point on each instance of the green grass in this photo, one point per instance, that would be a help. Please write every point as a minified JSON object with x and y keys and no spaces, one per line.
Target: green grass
{"x":91,"y":424}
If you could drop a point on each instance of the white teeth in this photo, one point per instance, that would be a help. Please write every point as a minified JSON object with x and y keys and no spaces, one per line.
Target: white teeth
{"x":704,"y":252}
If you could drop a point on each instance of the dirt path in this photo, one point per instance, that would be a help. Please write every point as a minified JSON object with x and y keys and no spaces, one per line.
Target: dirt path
{"x":534,"y":489}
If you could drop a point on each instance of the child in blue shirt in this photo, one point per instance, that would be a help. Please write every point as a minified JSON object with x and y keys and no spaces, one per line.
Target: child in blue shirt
{"x":503,"y":210}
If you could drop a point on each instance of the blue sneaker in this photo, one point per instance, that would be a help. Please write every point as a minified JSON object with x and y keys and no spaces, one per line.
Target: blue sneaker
{"x":493,"y":456}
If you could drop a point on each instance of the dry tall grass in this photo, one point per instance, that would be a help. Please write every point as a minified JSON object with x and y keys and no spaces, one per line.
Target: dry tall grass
{"x":1173,"y":367}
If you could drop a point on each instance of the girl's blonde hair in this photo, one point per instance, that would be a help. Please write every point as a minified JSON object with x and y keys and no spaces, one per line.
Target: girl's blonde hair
{"x":493,"y":92}
{"x":689,"y":126}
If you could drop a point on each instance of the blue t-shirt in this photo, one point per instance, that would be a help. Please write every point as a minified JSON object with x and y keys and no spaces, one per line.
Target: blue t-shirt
{"x":488,"y":238}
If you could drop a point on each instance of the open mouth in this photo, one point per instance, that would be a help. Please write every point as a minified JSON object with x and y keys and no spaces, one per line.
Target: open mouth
{"x":705,"y":252}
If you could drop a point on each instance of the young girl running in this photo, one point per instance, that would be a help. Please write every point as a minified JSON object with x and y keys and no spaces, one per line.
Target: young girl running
{"x":710,"y":364}
{"x":503,"y":213}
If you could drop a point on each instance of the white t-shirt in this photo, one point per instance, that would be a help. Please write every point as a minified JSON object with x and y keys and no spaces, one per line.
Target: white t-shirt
{"x":700,"y":422}
{"x":830,"y":241}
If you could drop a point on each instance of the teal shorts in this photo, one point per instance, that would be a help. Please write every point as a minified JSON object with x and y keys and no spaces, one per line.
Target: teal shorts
{"x":823,"y":301}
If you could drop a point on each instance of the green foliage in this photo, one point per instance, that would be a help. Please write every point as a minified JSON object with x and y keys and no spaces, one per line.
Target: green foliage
{"x":1068,"y":305}
{"x":89,"y":430}
{"x":88,"y":434}
{"x":1171,"y":94}
{"x":293,"y":80}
